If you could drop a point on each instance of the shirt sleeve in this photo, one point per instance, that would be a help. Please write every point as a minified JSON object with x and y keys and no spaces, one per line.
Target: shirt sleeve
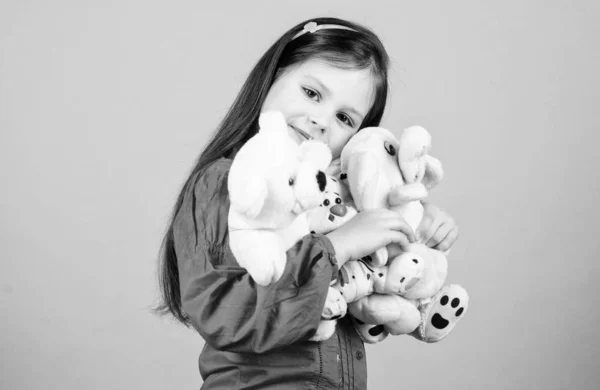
{"x":223,"y":303}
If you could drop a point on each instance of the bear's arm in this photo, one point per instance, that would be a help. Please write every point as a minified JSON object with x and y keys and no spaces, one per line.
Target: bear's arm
{"x":223,"y":303}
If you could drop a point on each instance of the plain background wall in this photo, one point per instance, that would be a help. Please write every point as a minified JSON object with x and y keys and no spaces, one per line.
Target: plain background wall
{"x":105,"y":105}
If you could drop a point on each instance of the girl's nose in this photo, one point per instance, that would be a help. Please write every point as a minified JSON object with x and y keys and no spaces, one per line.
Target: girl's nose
{"x":318,"y":126}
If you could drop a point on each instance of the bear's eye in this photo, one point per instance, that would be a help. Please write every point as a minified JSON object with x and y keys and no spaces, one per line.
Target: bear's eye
{"x":389,"y":148}
{"x":338,"y":201}
{"x":326,"y":202}
{"x":291,"y":181}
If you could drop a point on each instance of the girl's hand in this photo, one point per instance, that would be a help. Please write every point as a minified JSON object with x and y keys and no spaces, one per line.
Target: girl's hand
{"x":437,"y":229}
{"x":369,"y":231}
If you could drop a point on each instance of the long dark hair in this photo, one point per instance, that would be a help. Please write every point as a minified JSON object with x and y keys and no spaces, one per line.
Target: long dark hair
{"x":358,"y":49}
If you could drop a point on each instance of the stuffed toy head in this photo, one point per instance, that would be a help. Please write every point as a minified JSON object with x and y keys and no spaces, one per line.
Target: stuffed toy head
{"x":335,"y":209}
{"x":377,"y":163}
{"x":271,"y":182}
{"x":272,"y":176}
{"x":432,"y":274}
{"x":370,"y":162}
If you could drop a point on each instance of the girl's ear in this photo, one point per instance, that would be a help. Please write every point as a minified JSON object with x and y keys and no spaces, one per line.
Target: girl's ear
{"x":433,"y":172}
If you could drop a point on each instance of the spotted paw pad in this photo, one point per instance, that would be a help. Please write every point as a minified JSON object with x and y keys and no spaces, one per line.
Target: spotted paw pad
{"x":442,"y":314}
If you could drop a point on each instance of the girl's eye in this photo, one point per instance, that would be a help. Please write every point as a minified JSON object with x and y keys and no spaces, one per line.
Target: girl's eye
{"x":311,"y":94}
{"x":345,"y":119}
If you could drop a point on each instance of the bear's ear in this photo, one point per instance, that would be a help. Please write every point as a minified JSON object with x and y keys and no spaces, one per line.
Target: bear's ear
{"x":272,"y":123}
{"x":433,"y":172}
{"x":316,"y":152}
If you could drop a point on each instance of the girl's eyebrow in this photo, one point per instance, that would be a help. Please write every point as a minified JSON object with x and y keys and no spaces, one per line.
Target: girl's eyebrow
{"x":360,"y":117}
{"x":319,"y":83}
{"x":327,"y":91}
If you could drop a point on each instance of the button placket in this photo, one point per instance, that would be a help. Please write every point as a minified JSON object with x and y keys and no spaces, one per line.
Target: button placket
{"x":342,"y":350}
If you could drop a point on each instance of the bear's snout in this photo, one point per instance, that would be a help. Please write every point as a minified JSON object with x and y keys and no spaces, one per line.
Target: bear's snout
{"x":321,"y":180}
{"x":338,"y":210}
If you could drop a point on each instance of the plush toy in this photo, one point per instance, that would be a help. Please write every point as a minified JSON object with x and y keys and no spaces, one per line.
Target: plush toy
{"x":335,"y":210}
{"x":406,"y":295}
{"x":272,"y":181}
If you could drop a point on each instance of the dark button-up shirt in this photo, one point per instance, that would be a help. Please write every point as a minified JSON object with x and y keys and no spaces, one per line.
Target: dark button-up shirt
{"x":256,"y":337}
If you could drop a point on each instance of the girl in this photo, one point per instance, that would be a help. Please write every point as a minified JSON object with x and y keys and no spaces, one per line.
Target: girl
{"x":329,"y":79}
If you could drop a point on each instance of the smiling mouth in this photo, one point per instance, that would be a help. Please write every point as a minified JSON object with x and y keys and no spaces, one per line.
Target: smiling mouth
{"x":302,"y":133}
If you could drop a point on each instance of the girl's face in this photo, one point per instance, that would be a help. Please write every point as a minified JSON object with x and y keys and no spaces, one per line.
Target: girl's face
{"x":323,"y":102}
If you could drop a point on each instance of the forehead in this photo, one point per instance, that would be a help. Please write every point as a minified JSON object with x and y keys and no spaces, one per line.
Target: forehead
{"x":352,"y":87}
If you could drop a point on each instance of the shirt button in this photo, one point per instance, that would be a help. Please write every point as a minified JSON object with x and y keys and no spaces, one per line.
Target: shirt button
{"x":359,"y":355}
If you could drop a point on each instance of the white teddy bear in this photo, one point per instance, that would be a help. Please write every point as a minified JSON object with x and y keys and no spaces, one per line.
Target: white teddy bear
{"x":272,"y":181}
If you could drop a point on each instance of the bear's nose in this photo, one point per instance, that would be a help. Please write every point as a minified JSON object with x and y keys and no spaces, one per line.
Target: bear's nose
{"x":321,"y":180}
{"x":338,"y":210}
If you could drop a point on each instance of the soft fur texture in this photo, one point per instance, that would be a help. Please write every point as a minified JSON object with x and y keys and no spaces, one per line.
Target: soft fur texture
{"x":272,"y":181}
{"x":396,"y":173}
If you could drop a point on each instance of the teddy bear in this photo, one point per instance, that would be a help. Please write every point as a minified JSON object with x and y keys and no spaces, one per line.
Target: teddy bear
{"x":272,"y":182}
{"x":403,"y":294}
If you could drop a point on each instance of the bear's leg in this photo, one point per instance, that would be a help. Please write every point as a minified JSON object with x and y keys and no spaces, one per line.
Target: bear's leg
{"x":440,"y":315}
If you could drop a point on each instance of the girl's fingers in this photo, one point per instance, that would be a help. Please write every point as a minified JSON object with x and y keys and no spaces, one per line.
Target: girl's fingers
{"x":399,"y":224}
{"x":401,"y":239}
{"x":449,"y":240}
{"x":439,"y":235}
{"x":404,"y":228}
{"x":395,"y":251}
{"x":428,"y":233}
{"x":424,"y":226}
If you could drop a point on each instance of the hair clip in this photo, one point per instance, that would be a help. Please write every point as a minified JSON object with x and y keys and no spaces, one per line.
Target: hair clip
{"x":312,"y":27}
